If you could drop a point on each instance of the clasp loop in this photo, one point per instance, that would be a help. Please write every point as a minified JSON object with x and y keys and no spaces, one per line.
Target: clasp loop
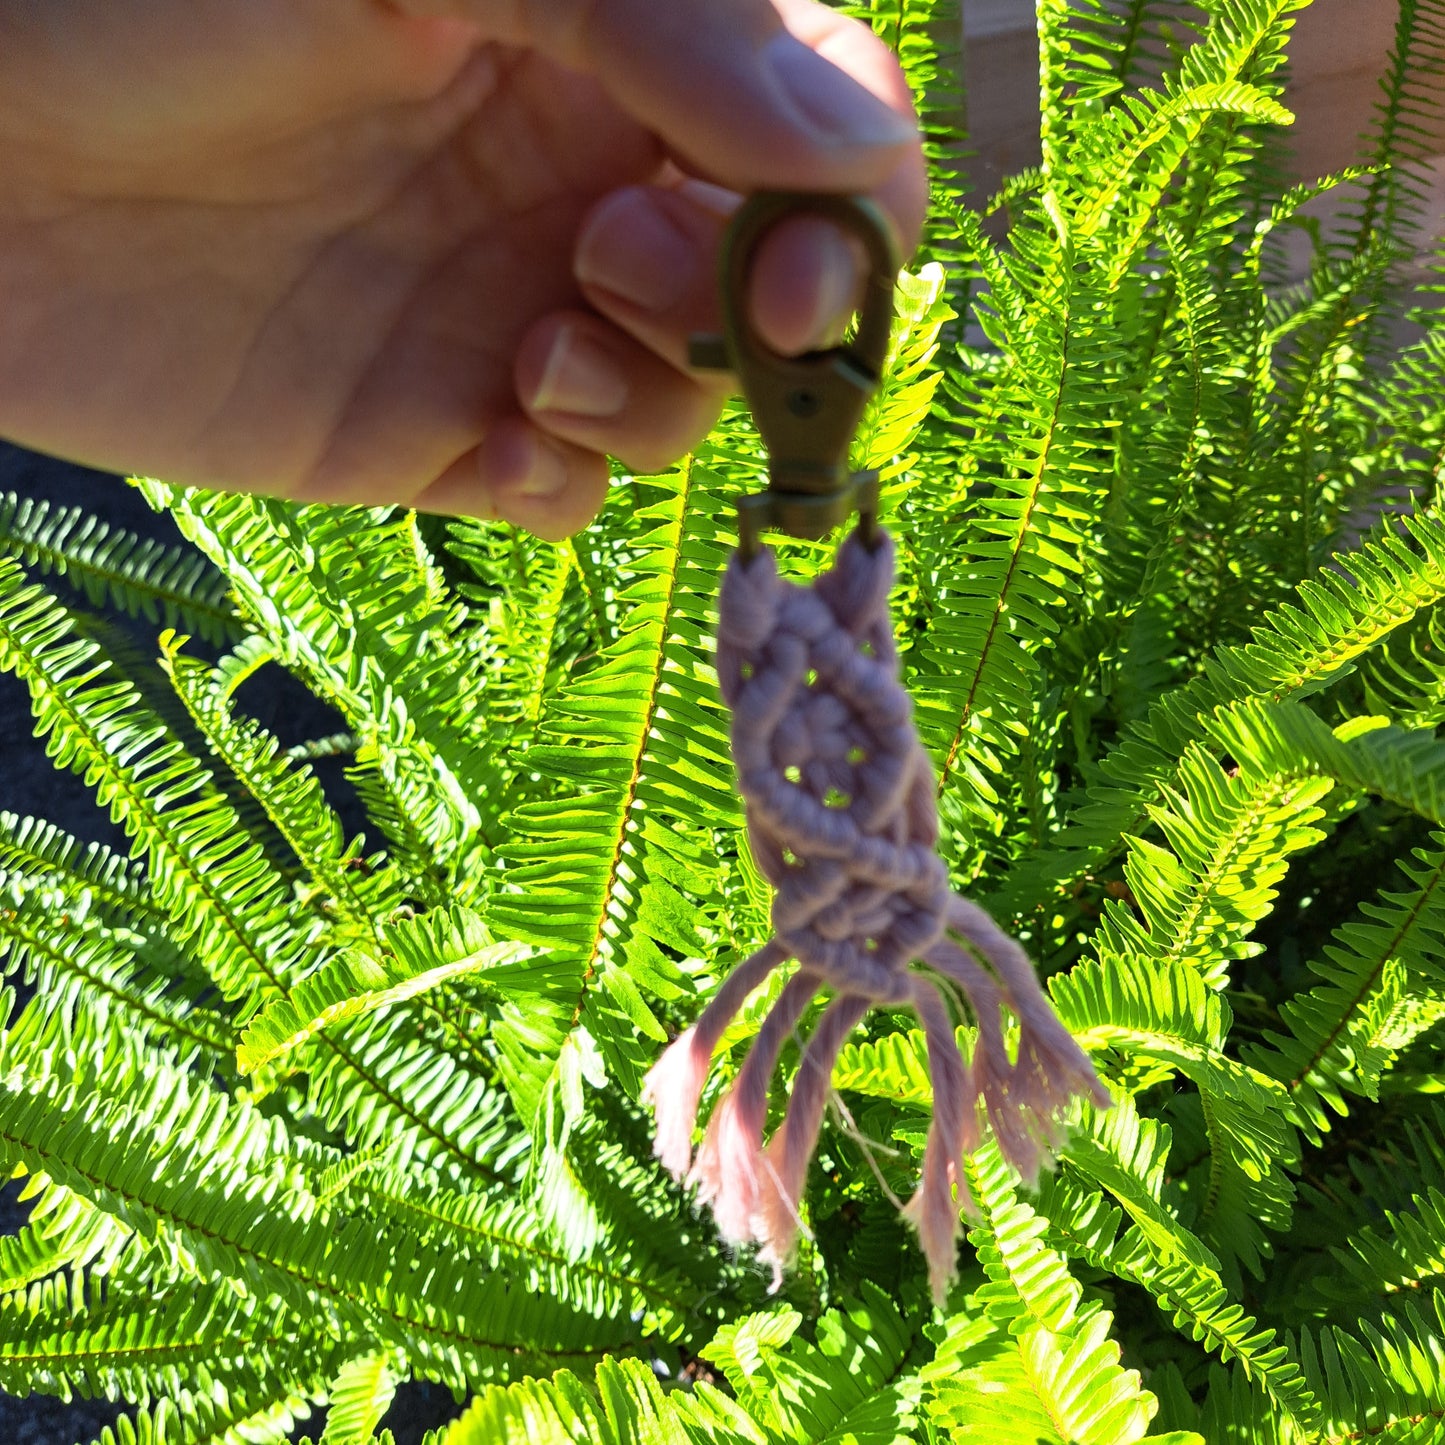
{"x":808,"y":407}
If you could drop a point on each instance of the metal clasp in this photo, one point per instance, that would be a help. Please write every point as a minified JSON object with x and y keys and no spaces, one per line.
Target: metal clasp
{"x":808,"y":407}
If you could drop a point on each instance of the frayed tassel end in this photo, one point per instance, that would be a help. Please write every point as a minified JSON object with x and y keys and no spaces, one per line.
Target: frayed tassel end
{"x":730,"y":1165}
{"x":1027,"y":1101}
{"x":673,"y":1087}
{"x":934,"y":1213}
{"x":779,"y":1218}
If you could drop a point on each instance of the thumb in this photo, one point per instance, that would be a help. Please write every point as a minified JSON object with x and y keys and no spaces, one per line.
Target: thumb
{"x":734,"y":94}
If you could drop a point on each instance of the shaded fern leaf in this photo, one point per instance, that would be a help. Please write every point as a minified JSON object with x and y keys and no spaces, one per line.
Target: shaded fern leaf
{"x":1383,"y":984}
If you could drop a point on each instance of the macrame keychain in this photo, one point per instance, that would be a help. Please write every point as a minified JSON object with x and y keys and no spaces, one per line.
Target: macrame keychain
{"x":839,"y":799}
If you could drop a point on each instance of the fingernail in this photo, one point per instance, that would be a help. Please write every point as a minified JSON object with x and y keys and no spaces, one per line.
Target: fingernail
{"x":547,"y":476}
{"x":830,"y":103}
{"x":580,"y":377}
{"x":631,"y":248}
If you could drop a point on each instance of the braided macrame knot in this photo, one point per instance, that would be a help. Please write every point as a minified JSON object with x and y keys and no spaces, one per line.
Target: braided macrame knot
{"x":839,"y":797}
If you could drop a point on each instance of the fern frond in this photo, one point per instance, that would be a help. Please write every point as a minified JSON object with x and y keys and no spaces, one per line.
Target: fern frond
{"x":434,"y":1098}
{"x":849,"y":1384}
{"x":1398,"y":145}
{"x":63,"y":1232}
{"x":1296,"y":651}
{"x":138,"y":576}
{"x":75,"y":962}
{"x":1382,"y":974}
{"x":1393,"y":1261}
{"x":596,"y":871}
{"x":927,"y":38}
{"x":789,"y":1391}
{"x":412,"y":956}
{"x":356,"y":890}
{"x":1028,"y":1336}
{"x":1230,"y":840}
{"x":65,"y":1338}
{"x":240,"y":1206}
{"x":221,"y":893}
{"x":529,"y":633}
{"x":1388,"y":1385}
{"x":358,"y":1397}
{"x":1014,"y":570}
{"x":222,"y":1418}
{"x":46,"y":855}
{"x":501,"y":1233}
{"x":347,"y":597}
{"x":1184,"y":1286}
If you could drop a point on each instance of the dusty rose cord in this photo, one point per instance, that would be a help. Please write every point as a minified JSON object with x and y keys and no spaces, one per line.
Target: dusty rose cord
{"x":839,"y":797}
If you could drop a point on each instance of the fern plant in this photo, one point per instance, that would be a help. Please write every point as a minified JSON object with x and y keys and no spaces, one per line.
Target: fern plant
{"x":304,"y":1112}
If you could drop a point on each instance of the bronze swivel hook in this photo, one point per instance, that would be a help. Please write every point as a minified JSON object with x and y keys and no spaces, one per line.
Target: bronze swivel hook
{"x":808,"y":407}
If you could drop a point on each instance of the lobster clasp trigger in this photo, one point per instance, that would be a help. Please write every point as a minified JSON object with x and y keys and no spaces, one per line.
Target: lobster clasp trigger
{"x":808,"y":407}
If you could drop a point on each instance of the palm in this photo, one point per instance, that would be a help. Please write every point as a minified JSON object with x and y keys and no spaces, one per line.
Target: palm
{"x":324,"y":270}
{"x":324,"y":249}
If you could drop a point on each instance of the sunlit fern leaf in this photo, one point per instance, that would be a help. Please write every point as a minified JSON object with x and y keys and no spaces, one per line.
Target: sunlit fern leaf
{"x":1029,"y":1336}
{"x":927,"y":37}
{"x":436,"y":1098}
{"x":1398,"y":145}
{"x":47,"y":855}
{"x":1139,"y":1009}
{"x":1127,"y":1155}
{"x":348,"y":598}
{"x":74,"y":962}
{"x":596,"y":868}
{"x":1064,"y":1387}
{"x":900,"y":409}
{"x":353,"y":891}
{"x":1084,"y":1225}
{"x":1244,"y":39}
{"x":1310,"y":424}
{"x":358,"y":1397}
{"x":1229,"y":843}
{"x":1235,"y":1411}
{"x":1162,"y":444}
{"x":221,"y":894}
{"x":1193,"y":906}
{"x":63,"y":1232}
{"x":1388,"y":1382}
{"x":1286,"y":738}
{"x":222,"y":1417}
{"x":1405,"y":680}
{"x":1152,"y":135}
{"x":225,"y":901}
{"x":501,"y":1231}
{"x":1115,"y":48}
{"x":1012,"y":572}
{"x":64,"y":1337}
{"x":525,"y":615}
{"x":408,"y":958}
{"x":848,"y":1382}
{"x":242,"y":1209}
{"x":138,"y":576}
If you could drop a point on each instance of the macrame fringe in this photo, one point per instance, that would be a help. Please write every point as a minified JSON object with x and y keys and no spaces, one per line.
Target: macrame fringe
{"x":839,"y":798}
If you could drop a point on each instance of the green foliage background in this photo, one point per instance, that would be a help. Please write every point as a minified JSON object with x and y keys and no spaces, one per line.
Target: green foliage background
{"x":304,"y":1115}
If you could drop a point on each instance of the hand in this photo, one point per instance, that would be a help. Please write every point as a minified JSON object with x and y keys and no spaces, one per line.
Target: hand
{"x":439,"y":254}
